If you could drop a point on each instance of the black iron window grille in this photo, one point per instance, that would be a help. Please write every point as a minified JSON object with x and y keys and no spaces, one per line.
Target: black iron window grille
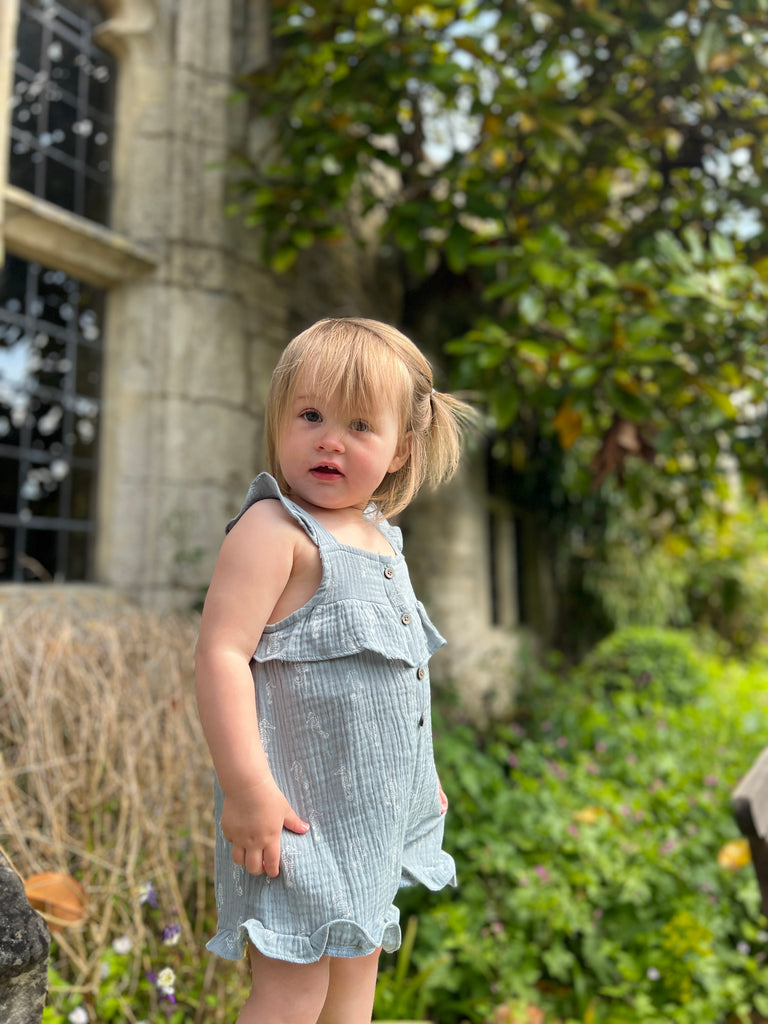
{"x":62,"y":123}
{"x":50,"y":388}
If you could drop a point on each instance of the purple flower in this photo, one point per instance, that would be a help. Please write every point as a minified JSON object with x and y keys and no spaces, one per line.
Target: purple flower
{"x":171,"y":934}
{"x":148,"y":894}
{"x":556,"y":769}
{"x":542,"y":873}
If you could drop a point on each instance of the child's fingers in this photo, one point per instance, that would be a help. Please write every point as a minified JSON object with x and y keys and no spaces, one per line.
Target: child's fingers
{"x":443,"y":799}
{"x":294,"y":823}
{"x":270,"y":862}
{"x":238,"y":855}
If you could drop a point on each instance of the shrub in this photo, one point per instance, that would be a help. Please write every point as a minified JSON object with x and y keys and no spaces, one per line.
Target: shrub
{"x":712,"y":574}
{"x":644,"y":663}
{"x":587,"y":843}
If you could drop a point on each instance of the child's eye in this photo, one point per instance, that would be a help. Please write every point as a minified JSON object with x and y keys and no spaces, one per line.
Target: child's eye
{"x":360,"y":425}
{"x":311,"y":416}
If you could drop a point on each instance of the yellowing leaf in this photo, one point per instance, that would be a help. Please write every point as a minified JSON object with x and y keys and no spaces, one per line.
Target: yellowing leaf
{"x":568,"y":423}
{"x":588,"y":815}
{"x":724,"y":60}
{"x":734,"y":855}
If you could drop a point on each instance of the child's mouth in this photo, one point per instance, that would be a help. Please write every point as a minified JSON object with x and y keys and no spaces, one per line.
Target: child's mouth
{"x":326,"y":470}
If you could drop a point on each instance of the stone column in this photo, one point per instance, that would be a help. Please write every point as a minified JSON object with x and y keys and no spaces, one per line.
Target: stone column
{"x":24,"y":945}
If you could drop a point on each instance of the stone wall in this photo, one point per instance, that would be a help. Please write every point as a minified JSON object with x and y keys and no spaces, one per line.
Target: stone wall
{"x":24,"y":944}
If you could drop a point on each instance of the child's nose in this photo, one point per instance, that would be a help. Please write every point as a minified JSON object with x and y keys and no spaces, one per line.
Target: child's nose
{"x":332,"y":439}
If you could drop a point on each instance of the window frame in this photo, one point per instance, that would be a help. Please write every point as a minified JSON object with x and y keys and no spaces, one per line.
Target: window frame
{"x":36,"y":230}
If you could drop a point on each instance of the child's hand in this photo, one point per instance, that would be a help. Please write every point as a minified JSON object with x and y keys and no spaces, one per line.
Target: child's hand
{"x":253,"y":820}
{"x":443,"y":798}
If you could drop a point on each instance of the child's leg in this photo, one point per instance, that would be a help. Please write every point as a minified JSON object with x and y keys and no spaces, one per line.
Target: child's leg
{"x":285,"y":993}
{"x":351,"y":986}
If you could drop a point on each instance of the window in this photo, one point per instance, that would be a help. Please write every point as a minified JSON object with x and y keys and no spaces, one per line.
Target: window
{"x":51,"y":321}
{"x":50,"y":385}
{"x":62,"y":108}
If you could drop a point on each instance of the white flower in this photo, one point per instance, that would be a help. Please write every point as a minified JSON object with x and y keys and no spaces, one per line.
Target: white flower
{"x":123,"y":944}
{"x":166,"y":980}
{"x":79,"y":1015}
{"x":147,"y":894}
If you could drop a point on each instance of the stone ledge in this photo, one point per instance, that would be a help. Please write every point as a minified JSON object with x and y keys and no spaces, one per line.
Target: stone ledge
{"x":37,"y":230}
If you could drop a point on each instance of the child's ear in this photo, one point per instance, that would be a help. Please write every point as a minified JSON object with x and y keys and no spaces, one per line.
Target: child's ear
{"x":402,"y":453}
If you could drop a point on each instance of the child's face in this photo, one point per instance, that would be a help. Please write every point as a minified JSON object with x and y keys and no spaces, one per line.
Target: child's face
{"x":332,"y":462}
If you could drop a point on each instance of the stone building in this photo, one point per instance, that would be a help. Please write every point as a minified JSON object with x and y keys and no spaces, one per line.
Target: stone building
{"x":139,"y":327}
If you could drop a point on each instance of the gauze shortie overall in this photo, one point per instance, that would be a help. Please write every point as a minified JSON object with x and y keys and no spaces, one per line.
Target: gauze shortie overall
{"x":343,"y":705}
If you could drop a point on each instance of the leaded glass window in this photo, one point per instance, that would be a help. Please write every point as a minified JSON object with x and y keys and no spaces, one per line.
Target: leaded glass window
{"x":50,"y":387}
{"x":63,"y":108}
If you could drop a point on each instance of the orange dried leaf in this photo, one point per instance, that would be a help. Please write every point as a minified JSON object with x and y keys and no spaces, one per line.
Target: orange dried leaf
{"x":59,"y":898}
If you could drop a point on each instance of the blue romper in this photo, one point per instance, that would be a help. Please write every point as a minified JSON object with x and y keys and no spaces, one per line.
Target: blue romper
{"x":343,"y":704}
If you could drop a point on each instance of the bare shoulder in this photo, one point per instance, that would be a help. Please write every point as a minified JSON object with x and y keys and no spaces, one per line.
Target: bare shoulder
{"x":266,"y":522}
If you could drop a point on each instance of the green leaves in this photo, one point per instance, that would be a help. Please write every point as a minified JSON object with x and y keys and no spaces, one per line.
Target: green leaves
{"x":587,"y":834}
{"x":592,"y":171}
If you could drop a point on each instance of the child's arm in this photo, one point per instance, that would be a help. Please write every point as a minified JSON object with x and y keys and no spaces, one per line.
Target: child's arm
{"x":252,"y":570}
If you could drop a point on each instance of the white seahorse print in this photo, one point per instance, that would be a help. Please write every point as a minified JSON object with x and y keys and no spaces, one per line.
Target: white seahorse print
{"x":314,"y":725}
{"x":345,"y":777}
{"x":340,"y":904}
{"x":287,"y":864}
{"x":392,"y":796}
{"x":297,"y":771}
{"x":358,"y":851}
{"x":266,"y":730}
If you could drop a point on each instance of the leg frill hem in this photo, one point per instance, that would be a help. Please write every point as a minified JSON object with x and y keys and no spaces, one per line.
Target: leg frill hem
{"x":341,"y":938}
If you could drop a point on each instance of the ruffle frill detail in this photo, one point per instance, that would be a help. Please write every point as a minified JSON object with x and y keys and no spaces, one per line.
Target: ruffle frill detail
{"x":342,"y":629}
{"x":341,"y":938}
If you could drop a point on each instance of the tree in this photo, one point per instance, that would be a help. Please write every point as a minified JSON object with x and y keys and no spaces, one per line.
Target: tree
{"x":575,"y":186}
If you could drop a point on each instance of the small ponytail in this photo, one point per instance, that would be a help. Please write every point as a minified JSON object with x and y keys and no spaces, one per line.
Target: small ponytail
{"x":442,"y":440}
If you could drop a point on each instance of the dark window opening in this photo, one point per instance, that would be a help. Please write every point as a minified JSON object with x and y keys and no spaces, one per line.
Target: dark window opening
{"x":50,"y":383}
{"x":62,"y":124}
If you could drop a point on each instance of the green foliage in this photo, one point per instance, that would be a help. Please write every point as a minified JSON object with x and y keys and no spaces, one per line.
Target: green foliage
{"x":714,"y":574}
{"x":590,"y":175}
{"x":587,"y":834}
{"x":154,"y":975}
{"x":643,"y":664}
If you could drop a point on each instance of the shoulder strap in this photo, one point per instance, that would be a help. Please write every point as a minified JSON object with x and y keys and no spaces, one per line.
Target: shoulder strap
{"x":265,"y":486}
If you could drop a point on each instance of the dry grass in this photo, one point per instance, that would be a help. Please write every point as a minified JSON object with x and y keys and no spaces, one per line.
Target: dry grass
{"x":104,"y":774}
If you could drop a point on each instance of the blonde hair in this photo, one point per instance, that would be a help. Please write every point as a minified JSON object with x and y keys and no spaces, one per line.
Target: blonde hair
{"x":363,"y":363}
